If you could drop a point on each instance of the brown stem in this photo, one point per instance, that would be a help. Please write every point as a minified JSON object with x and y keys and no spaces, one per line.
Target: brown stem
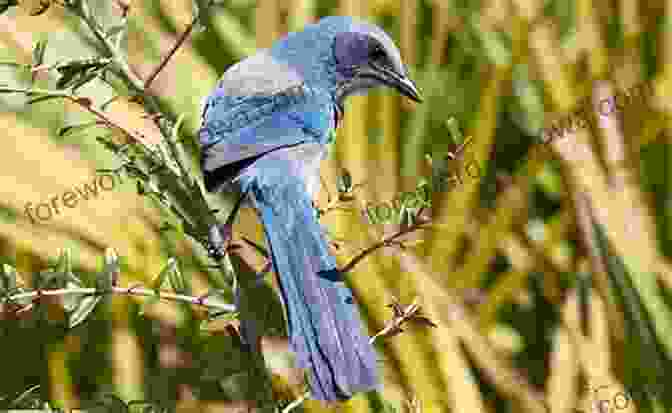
{"x":130,"y":291}
{"x":385,"y":242}
{"x":171,"y":53}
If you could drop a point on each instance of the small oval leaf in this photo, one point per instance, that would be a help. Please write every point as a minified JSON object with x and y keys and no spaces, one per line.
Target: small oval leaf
{"x":84,"y":308}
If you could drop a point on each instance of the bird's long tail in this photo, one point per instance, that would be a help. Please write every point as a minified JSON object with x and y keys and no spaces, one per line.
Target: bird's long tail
{"x":325,"y":328}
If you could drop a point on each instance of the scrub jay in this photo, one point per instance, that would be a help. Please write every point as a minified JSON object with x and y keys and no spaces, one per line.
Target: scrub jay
{"x":265,"y":129}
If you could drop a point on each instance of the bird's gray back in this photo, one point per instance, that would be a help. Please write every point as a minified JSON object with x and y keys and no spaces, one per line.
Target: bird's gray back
{"x":259,"y":74}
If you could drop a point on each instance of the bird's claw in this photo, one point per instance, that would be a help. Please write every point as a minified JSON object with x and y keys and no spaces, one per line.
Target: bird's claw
{"x":219,"y":238}
{"x":318,"y":211}
{"x":220,"y":235}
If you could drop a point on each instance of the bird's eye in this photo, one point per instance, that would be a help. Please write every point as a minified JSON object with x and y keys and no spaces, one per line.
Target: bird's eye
{"x":377,"y":53}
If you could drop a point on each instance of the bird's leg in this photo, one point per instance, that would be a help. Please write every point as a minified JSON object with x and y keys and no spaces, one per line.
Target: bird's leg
{"x":219,"y":236}
{"x":319,"y":211}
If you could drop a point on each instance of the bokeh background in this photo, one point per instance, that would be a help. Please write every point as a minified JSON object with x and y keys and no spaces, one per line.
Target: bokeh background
{"x":548,"y":274}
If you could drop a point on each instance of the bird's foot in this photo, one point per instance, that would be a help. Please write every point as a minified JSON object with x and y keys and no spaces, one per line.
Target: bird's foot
{"x":219,"y":238}
{"x":220,"y":235}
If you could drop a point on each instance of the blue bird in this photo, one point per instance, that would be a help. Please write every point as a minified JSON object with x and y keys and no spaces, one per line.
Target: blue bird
{"x":265,"y":129}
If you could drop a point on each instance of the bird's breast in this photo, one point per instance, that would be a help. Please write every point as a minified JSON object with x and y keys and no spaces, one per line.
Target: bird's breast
{"x":318,"y":118}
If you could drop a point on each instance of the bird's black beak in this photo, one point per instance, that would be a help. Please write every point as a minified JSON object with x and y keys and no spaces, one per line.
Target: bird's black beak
{"x":398,"y":81}
{"x":408,"y":88}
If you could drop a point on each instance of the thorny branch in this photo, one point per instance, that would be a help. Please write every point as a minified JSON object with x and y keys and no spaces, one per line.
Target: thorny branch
{"x":84,"y":102}
{"x":171,"y":53}
{"x":135,"y":290}
{"x":149,"y":101}
{"x":386,"y":242}
{"x":402,"y":315}
{"x":187,"y":193}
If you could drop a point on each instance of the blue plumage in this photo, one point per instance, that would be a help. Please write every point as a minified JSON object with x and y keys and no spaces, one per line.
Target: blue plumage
{"x":265,"y":130}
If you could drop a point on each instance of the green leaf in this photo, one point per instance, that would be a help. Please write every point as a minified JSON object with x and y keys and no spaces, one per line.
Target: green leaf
{"x":108,"y":144}
{"x":455,"y":132}
{"x":14,"y":64}
{"x":64,"y":263}
{"x":178,"y":281}
{"x":38,"y":52}
{"x":67,"y":76}
{"x":332,"y":137}
{"x":113,"y":404}
{"x":181,"y":158}
{"x":8,"y":277}
{"x":49,"y":279}
{"x":344,"y":184}
{"x":84,"y":307}
{"x":144,"y":406}
{"x":71,"y":301}
{"x":74,"y":128}
{"x":218,"y":296}
{"x":78,"y":72}
{"x":67,"y":279}
{"x":372,"y":214}
{"x":25,"y":395}
{"x":84,"y":79}
{"x":114,"y":30}
{"x":201,"y":8}
{"x":110,"y":273}
{"x":42,"y":99}
{"x":112,"y":268}
{"x":6,"y":4}
{"x":157,"y":282}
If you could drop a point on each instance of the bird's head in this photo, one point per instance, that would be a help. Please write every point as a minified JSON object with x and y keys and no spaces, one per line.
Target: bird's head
{"x":357,"y":55}
{"x":366,"y":57}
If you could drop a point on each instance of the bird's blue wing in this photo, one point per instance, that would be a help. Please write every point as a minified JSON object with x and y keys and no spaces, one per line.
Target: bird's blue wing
{"x":224,"y":161}
{"x":260,"y":105}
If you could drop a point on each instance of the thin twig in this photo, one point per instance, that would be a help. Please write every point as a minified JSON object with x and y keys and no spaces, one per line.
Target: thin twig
{"x":171,"y":53}
{"x":124,"y":67}
{"x":326,"y":188}
{"x":460,"y":148}
{"x":87,"y":104}
{"x":124,"y":24}
{"x":333,"y":205}
{"x":387,"y":241}
{"x":296,"y":403}
{"x":30,"y":92}
{"x":402,"y":315}
{"x":130,"y":291}
{"x":79,"y":100}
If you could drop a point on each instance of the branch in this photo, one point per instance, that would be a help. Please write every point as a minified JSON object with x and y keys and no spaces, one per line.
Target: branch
{"x":450,"y":312}
{"x":171,"y":53}
{"x":129,"y":291}
{"x":30,"y":92}
{"x":333,"y":205}
{"x":115,"y":53}
{"x":296,"y":403}
{"x":84,"y":102}
{"x":402,"y":315}
{"x":385,"y":242}
{"x":123,"y":24}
